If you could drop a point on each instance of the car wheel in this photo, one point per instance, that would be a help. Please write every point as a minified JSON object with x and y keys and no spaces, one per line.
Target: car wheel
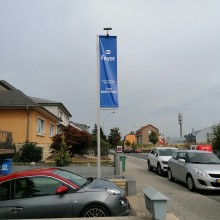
{"x":95,"y":211}
{"x":149,"y":166}
{"x":170,"y":176}
{"x":190,"y":183}
{"x":159,"y":170}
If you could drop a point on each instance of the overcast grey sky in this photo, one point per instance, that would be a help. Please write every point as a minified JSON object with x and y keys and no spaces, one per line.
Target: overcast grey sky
{"x":168,"y":58}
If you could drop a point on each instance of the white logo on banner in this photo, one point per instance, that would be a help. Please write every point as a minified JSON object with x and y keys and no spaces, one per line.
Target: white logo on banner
{"x":107,"y":59}
{"x":108,"y":51}
{"x":4,"y":167}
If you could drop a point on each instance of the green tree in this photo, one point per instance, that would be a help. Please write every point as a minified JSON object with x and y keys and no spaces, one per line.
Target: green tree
{"x":153,"y":137}
{"x":94,"y":132}
{"x":114,"y":138}
{"x":215,"y":140}
{"x":79,"y":141}
{"x":104,"y":145}
{"x":127,"y":143}
{"x":62,"y":156}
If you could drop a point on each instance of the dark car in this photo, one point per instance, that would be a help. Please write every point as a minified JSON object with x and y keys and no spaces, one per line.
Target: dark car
{"x":128,"y":150}
{"x":57,"y":193}
{"x":137,"y":150}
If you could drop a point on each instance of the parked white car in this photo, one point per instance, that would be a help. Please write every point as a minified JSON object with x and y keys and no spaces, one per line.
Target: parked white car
{"x":158,"y":159}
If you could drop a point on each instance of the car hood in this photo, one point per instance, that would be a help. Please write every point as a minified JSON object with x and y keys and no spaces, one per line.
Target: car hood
{"x":209,"y":168}
{"x":165,"y":158}
{"x":101,"y":185}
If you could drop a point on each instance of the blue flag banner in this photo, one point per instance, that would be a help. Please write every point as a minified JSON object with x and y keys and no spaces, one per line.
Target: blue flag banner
{"x":108,"y":72}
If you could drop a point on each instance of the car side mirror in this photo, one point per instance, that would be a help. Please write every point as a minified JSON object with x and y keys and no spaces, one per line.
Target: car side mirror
{"x":61,"y":190}
{"x":155,"y":154}
{"x":181,"y":160}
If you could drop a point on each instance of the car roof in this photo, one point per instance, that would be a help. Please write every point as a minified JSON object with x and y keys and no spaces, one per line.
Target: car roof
{"x":166,"y":148}
{"x":194,"y":151}
{"x":31,"y":172}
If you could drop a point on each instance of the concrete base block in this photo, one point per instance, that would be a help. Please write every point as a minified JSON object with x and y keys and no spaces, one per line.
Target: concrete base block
{"x":130,"y":185}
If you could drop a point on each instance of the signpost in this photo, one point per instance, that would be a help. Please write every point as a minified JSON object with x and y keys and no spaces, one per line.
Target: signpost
{"x":107,"y":89}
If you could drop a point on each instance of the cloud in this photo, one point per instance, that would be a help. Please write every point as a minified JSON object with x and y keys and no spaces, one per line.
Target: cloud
{"x":168,"y":58}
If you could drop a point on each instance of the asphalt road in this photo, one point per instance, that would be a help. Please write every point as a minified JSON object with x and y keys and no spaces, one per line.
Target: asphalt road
{"x":182,"y":203}
{"x":215,"y":195}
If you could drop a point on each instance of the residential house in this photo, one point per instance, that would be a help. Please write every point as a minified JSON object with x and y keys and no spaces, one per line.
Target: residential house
{"x":27,"y":119}
{"x":142,"y":135}
{"x":175,"y":140}
{"x":129,"y":138}
{"x":56,"y":108}
{"x":191,"y":137}
{"x":81,"y":127}
{"x":202,"y":136}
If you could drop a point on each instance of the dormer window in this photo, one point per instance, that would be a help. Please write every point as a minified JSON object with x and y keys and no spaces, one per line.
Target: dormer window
{"x":61,"y":115}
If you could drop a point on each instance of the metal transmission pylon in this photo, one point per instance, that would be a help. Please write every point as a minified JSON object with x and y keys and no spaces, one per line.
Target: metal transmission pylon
{"x":180,"y":122}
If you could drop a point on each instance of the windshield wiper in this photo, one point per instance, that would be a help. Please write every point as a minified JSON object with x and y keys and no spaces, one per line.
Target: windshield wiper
{"x":88,"y":180}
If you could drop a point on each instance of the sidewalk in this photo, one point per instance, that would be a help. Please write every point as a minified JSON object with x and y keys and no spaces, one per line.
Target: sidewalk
{"x":137,"y":201}
{"x":139,"y":210}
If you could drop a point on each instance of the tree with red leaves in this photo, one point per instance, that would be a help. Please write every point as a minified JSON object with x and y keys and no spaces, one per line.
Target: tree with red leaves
{"x":79,"y":141}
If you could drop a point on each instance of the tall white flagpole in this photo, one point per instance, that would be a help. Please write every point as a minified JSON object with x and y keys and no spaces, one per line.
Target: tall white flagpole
{"x":98,"y":109}
{"x":98,"y":103}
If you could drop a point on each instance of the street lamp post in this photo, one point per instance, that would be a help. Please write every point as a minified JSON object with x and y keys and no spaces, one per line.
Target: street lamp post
{"x":105,"y":119}
{"x":104,"y":123}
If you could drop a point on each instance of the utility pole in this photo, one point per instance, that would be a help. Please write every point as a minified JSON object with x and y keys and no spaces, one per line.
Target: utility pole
{"x":180,"y":122}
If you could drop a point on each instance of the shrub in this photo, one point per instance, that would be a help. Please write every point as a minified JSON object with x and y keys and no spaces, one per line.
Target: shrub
{"x":62,"y":156}
{"x":79,"y":141}
{"x":29,"y":152}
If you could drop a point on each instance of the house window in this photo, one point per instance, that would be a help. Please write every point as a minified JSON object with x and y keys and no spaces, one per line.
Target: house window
{"x":67,"y":120}
{"x":61,"y":115}
{"x":58,"y":129}
{"x":52,"y":130}
{"x":41,"y":126}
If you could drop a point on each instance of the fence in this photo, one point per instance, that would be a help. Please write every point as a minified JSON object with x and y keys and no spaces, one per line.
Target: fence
{"x":7,"y":148}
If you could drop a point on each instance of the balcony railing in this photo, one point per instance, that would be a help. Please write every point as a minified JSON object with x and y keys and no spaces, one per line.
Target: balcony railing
{"x":7,"y":147}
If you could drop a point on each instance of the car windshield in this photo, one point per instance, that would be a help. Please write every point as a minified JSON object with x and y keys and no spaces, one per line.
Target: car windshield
{"x":166,"y":152}
{"x":74,"y":178}
{"x":203,"y":158}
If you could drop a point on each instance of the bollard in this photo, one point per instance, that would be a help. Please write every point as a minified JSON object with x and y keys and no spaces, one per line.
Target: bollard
{"x":123,"y":160}
{"x":116,"y":164}
{"x":156,"y":203}
{"x":130,"y":185}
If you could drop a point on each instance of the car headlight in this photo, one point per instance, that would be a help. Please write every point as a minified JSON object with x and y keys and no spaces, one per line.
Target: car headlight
{"x":113,"y":191}
{"x":199,"y":172}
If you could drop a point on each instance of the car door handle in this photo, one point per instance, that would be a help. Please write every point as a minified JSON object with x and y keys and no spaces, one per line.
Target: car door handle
{"x":17,"y":209}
